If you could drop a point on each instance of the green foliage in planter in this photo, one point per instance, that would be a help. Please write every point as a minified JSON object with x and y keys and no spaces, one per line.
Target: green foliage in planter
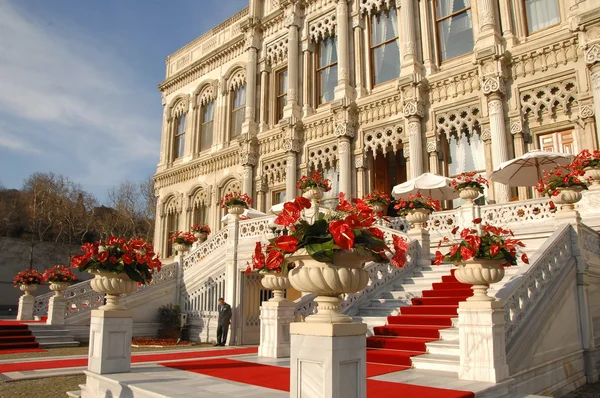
{"x":168,"y":316}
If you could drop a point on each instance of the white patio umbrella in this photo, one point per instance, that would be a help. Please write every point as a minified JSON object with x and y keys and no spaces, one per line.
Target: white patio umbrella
{"x":527,"y":170}
{"x":433,"y":185}
{"x":250,"y":213}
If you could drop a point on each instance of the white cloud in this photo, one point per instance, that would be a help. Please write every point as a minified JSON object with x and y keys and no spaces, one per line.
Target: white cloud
{"x":67,"y":83}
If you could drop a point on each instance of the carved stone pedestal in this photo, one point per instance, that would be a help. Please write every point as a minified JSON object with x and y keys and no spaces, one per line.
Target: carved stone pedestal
{"x":482,"y":343}
{"x":57,"y":308}
{"x":328,"y":360}
{"x":110,"y":341}
{"x":275,"y":319}
{"x":421,"y":235}
{"x":25,"y":307}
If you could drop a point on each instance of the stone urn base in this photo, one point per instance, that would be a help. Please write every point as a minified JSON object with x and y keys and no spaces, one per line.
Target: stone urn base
{"x":480,"y":273}
{"x":113,"y":285}
{"x":28,"y":289}
{"x":469,"y":194}
{"x":201,"y":236}
{"x":59,"y":288}
{"x":181,"y":248}
{"x":278,"y":284}
{"x":417,"y":217}
{"x":567,"y":197}
{"x":593,"y":174}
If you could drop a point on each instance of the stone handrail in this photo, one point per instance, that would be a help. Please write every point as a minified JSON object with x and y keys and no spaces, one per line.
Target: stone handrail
{"x":442,"y":222}
{"x":589,"y":240}
{"x":522,"y":295}
{"x":81,"y":298}
{"x":205,"y":248}
{"x":256,"y":226}
{"x":305,"y":306}
{"x":516,"y":212}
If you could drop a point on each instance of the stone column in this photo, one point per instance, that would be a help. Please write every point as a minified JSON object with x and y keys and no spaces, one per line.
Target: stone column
{"x":359,"y":55}
{"x":57,"y":307}
{"x":337,"y":368}
{"x":261,"y":190}
{"x":433,"y":148}
{"x":292,"y":147}
{"x":249,"y":159}
{"x":408,"y":49}
{"x":292,"y":107}
{"x":25,"y":310}
{"x":426,"y":33}
{"x":344,"y":153}
{"x":415,"y":146}
{"x":486,"y":36}
{"x":252,"y":44}
{"x":493,"y":87}
{"x":307,"y":50}
{"x":482,"y":343}
{"x":361,"y":177}
{"x":516,"y":129}
{"x":343,"y":88}
{"x":264,"y":98}
{"x":592,"y":59}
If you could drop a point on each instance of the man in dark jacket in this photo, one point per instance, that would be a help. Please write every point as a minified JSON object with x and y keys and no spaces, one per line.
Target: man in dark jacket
{"x":224,"y":321}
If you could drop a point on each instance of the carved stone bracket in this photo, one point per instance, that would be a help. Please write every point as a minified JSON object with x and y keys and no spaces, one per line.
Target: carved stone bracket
{"x":586,"y":111}
{"x":413,"y":108}
{"x":359,"y":162}
{"x":516,"y":127}
{"x":433,"y":146}
{"x":493,"y":84}
{"x":344,"y":129}
{"x":322,"y":28}
{"x":291,"y":145}
{"x":592,"y":54}
{"x":406,"y":152}
{"x":486,"y":135}
{"x":248,"y":158}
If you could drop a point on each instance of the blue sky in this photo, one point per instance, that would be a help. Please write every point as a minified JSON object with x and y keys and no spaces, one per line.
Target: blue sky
{"x":78,"y":84}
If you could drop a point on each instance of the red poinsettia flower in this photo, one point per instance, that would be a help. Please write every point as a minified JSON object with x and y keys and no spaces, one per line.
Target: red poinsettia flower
{"x":103,"y":256}
{"x":344,"y":205}
{"x":494,"y":249}
{"x":303,"y":202}
{"x":288,"y":244}
{"x":342,"y":234}
{"x":258,"y":258}
{"x":466,"y":253}
{"x":439,"y":258}
{"x":274,"y":259}
{"x":376,"y":232}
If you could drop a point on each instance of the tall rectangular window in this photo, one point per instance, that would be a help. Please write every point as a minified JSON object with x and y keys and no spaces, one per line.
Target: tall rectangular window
{"x":541,"y":14}
{"x":454,"y":28}
{"x":206,"y":126}
{"x":238,"y":110}
{"x":385,"y":50}
{"x":179,"y":141}
{"x":282,"y":87}
{"x":327,"y":69}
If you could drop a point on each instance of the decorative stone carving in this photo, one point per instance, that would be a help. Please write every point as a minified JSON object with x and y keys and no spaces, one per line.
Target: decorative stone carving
{"x":406,"y":152}
{"x":344,"y":129}
{"x":324,"y":155}
{"x":237,"y":80}
{"x":586,"y":111}
{"x":458,"y":121}
{"x":252,"y":41}
{"x":277,"y":51}
{"x":200,"y":197}
{"x":410,"y":48}
{"x":596,"y":80}
{"x":486,"y":135}
{"x":261,"y":186}
{"x":207,"y":94}
{"x":495,"y":107}
{"x":382,"y":138}
{"x":343,"y":147}
{"x":274,"y":172}
{"x":516,"y":127}
{"x":413,"y":108}
{"x":374,"y":6}
{"x":248,"y":158}
{"x":492,"y":83}
{"x":179,"y":106}
{"x":433,"y":146}
{"x":359,"y":162}
{"x":322,"y":27}
{"x":292,"y":95}
{"x":550,"y":98}
{"x":291,"y":19}
{"x":592,"y":54}
{"x":231,"y":187}
{"x":291,"y":145}
{"x":486,"y":15}
{"x":413,"y":128}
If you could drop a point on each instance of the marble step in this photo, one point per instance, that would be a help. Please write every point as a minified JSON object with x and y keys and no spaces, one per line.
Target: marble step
{"x":443,"y":347}
{"x":57,"y":344}
{"x":449,"y":334}
{"x":74,"y":394}
{"x":377,"y":311}
{"x":444,"y":363}
{"x":391,"y":302}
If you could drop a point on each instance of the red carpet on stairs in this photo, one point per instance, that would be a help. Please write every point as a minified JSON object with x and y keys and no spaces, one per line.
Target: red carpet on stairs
{"x":15,"y":336}
{"x":406,"y":334}
{"x":278,"y":378}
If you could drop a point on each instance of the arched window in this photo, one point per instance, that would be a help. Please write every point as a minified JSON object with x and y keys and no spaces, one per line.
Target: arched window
{"x":206,"y":125}
{"x":327,"y":69}
{"x":238,"y":105}
{"x":385,"y":49}
{"x":454,"y":28}
{"x":172,"y":225}
{"x":541,"y":14}
{"x":179,"y":139}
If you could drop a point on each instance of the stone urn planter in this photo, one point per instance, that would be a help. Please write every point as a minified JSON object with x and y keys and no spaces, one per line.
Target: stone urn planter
{"x":181,"y":248}
{"x":278,"y":284}
{"x":113,"y":285}
{"x":328,"y":281}
{"x":567,"y":197}
{"x":480,"y":273}
{"x":593,"y":174}
{"x":469,"y":194}
{"x":59,"y":288}
{"x":236,"y":211}
{"x":378,"y":207}
{"x":201,"y":236}
{"x":28,"y":289}
{"x":313,"y":194}
{"x":417,"y":217}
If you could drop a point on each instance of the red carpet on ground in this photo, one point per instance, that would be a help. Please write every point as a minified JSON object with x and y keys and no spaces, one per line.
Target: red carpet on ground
{"x":79,"y":362}
{"x":406,"y":334}
{"x":14,"y":336}
{"x":278,"y":378}
{"x":20,"y":351}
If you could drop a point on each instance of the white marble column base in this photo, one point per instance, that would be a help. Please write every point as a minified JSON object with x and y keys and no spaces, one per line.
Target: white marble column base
{"x":421,"y":235}
{"x":57,"y":308}
{"x":482,"y":343}
{"x":25,"y":308}
{"x":110,"y":341}
{"x":275,"y":320}
{"x":328,"y":360}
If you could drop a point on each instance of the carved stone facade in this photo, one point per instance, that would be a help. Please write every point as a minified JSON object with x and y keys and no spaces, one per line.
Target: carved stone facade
{"x":513,"y":90}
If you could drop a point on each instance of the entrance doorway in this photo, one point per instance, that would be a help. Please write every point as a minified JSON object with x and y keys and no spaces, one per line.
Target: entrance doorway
{"x":388,"y":171}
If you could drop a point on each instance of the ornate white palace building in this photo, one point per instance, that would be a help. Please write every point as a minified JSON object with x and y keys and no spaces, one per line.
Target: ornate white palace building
{"x":371,"y":92}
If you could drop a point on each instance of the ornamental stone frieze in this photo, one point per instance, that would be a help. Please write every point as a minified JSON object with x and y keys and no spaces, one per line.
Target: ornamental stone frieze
{"x":322,"y":27}
{"x":374,"y":6}
{"x":592,"y":54}
{"x":274,"y":171}
{"x":457,"y":120}
{"x":291,"y":145}
{"x":382,"y":138}
{"x":277,"y":51}
{"x":323,"y":155}
{"x":205,"y":94}
{"x":550,"y":98}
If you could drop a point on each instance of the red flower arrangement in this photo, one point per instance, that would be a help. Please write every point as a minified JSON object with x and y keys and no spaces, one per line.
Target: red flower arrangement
{"x":469,"y":179}
{"x":377,"y":197}
{"x":314,"y":181}
{"x":350,"y":228}
{"x":561,"y":178}
{"x":135,"y":257}
{"x":28,"y":277}
{"x":586,"y":159}
{"x":417,"y":201}
{"x":493,"y":243}
{"x":183,"y":238}
{"x":236,"y":198}
{"x":59,"y":273}
{"x":200,"y":228}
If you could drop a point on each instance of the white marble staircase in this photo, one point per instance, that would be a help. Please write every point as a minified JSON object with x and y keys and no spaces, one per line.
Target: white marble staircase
{"x":51,"y":336}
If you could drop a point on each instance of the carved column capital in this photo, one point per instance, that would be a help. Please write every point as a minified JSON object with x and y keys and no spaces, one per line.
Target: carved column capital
{"x":291,"y":19}
{"x":344,"y":129}
{"x":433,"y":146}
{"x":406,"y":152}
{"x":252,"y":41}
{"x":491,"y":84}
{"x":592,"y":54}
{"x":486,"y":134}
{"x":248,"y":159}
{"x":359,"y":162}
{"x":516,"y":127}
{"x":413,"y":108}
{"x":291,"y":145}
{"x":495,"y":106}
{"x":586,"y":111}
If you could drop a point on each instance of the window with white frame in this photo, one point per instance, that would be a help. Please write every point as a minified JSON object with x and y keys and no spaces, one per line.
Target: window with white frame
{"x":282,"y":87}
{"x":454,"y":28}
{"x":541,"y":14}
{"x":179,"y":138}
{"x":465,"y":152}
{"x":385,"y":49}
{"x":207,"y":114}
{"x":238,"y":105}
{"x":326,"y":69}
